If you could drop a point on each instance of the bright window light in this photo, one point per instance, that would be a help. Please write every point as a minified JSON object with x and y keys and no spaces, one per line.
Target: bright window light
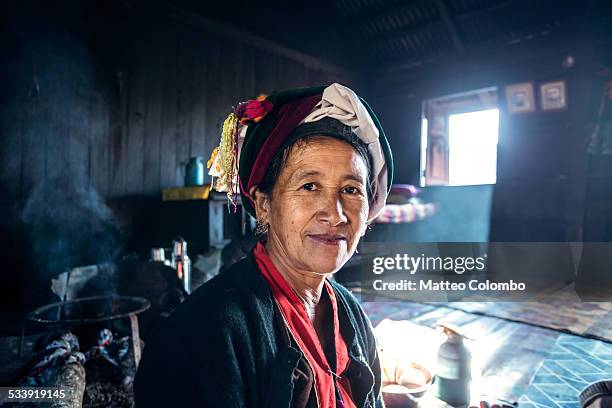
{"x":473,"y":140}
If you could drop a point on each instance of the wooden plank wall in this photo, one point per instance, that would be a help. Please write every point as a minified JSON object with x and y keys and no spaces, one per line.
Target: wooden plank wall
{"x":125,"y":112}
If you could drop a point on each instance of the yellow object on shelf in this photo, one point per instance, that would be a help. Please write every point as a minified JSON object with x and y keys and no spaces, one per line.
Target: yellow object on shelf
{"x":186,"y":193}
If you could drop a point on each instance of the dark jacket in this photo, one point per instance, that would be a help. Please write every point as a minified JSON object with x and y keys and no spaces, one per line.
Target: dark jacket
{"x":227,"y":346}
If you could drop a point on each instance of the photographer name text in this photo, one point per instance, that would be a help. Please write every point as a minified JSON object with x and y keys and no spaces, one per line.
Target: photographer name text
{"x":442,"y":285}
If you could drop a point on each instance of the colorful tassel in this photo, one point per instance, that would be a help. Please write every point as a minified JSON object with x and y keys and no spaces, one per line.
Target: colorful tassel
{"x":227,"y":155}
{"x":223,"y":162}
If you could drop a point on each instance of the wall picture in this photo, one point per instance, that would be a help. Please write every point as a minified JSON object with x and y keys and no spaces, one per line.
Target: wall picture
{"x":520,"y":98}
{"x":552,"y":96}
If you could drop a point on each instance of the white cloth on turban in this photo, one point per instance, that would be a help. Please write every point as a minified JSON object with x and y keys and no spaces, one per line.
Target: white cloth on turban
{"x":342,"y":104}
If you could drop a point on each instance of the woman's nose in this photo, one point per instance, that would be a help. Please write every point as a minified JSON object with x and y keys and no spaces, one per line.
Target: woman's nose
{"x":332,"y":210}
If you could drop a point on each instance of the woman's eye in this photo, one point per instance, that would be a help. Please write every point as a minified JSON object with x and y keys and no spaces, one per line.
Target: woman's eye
{"x":351,"y":190}
{"x":308,"y":186}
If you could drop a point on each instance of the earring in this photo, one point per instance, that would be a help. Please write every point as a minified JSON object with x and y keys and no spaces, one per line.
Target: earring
{"x":261,"y":228}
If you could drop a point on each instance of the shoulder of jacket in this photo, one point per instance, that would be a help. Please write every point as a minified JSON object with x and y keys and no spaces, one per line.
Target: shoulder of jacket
{"x":226,"y":282}
{"x":223,"y":299}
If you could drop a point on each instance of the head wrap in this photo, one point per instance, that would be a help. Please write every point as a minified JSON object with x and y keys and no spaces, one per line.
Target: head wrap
{"x":257,"y":130}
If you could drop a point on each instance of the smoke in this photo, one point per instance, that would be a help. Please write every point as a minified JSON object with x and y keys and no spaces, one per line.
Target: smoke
{"x":69,"y":226}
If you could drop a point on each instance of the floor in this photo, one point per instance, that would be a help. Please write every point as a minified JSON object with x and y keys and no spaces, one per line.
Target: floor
{"x":535,"y":366}
{"x":573,"y":363}
{"x":509,"y":353}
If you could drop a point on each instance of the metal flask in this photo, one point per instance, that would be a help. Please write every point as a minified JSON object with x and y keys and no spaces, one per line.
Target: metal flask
{"x":194,"y":172}
{"x":181,"y":263}
{"x":453,"y":370}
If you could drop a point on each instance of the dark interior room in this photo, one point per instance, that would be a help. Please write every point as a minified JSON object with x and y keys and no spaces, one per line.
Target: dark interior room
{"x":148,"y":155}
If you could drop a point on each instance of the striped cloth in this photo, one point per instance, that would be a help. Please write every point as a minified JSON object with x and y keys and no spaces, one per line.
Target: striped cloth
{"x":405,"y":213}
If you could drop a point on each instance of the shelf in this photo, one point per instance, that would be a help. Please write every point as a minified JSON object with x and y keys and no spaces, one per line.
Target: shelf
{"x":186,"y":193}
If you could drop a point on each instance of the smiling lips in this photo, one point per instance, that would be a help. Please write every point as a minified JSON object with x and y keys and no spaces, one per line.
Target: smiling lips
{"x":328,"y":239}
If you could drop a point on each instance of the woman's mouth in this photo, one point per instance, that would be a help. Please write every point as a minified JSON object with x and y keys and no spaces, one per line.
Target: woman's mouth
{"x":328,"y":239}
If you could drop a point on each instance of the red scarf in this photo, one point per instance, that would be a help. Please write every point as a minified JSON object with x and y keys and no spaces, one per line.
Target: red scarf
{"x":299,"y":324}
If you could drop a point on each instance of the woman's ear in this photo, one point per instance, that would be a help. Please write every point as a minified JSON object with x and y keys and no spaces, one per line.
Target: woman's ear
{"x":261,"y":203}
{"x":367,"y":226}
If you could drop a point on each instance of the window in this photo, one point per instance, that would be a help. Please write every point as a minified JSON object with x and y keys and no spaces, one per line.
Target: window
{"x":459,"y":135}
{"x":423,"y":149}
{"x":472,"y":143}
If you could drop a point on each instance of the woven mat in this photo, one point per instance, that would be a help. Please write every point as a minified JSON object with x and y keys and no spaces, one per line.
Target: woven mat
{"x":560,"y":310}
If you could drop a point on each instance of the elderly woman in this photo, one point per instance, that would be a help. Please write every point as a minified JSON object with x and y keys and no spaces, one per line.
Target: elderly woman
{"x":274,"y":330}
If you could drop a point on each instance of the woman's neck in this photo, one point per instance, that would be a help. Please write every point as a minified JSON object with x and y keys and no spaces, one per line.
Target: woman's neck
{"x":307,"y":285}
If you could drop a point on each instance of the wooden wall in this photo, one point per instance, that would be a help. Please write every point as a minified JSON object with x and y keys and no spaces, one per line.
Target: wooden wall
{"x":120,"y":98}
{"x":104,"y":100}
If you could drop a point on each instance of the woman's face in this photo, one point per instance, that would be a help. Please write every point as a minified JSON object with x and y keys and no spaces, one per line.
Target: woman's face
{"x":319,"y":206}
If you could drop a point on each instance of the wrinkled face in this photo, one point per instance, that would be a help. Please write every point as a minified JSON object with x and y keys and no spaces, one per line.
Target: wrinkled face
{"x":319,"y":206}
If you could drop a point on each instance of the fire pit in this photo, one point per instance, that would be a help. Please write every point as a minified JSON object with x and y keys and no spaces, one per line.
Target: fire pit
{"x":95,"y":309}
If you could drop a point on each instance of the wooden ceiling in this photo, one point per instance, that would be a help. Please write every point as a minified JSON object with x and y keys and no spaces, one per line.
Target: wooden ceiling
{"x":373,"y":35}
